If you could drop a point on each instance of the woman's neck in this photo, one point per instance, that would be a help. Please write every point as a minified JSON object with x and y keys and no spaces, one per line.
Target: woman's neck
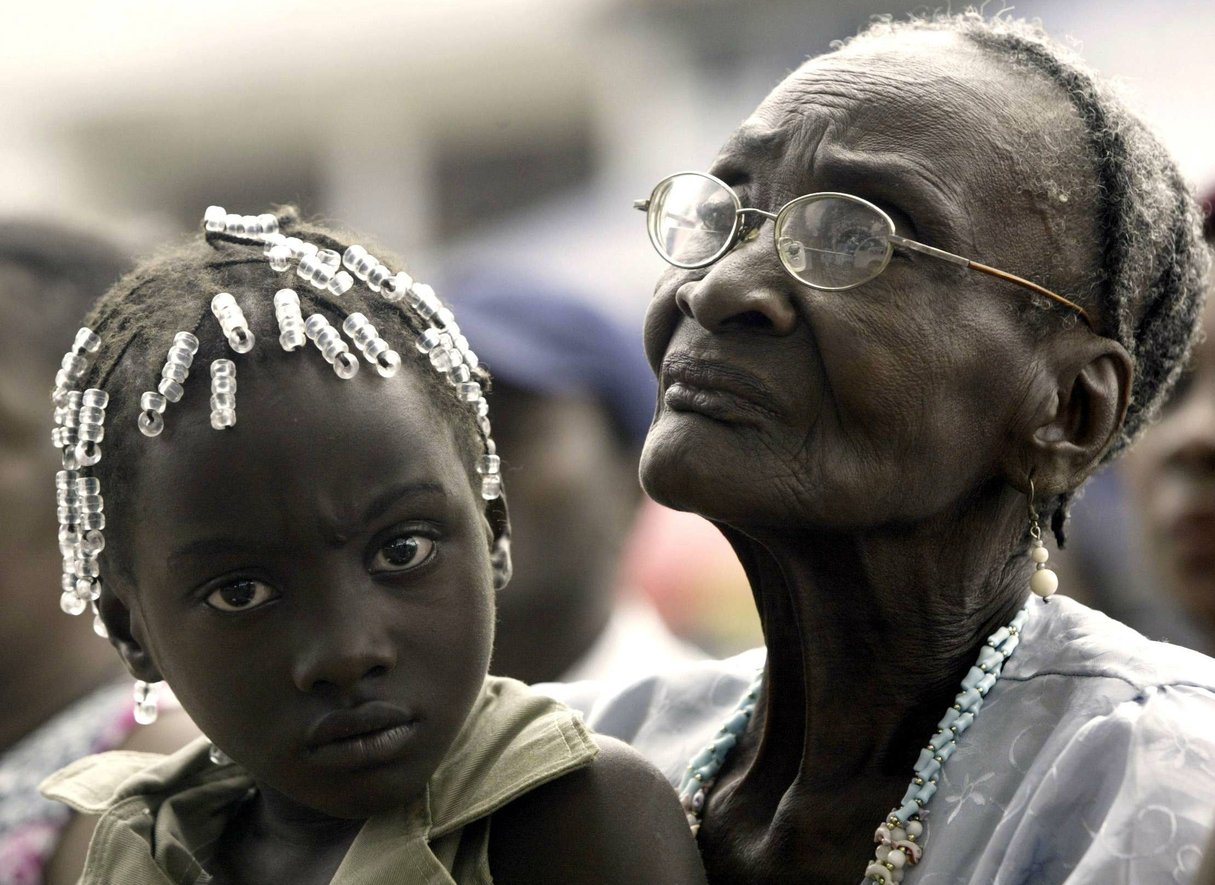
{"x":868,"y":636}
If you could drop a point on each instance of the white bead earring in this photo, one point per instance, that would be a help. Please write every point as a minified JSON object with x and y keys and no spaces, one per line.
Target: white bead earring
{"x":146,"y":703}
{"x":1043,"y":582}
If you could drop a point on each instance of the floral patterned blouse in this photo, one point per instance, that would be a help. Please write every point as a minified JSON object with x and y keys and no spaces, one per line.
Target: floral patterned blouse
{"x":1092,"y":763}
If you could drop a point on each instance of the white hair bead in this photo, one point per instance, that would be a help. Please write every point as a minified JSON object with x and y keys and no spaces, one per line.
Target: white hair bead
{"x":346,"y":365}
{"x":352,"y":256}
{"x":429,"y":340}
{"x":280,"y":257}
{"x":223,"y":402}
{"x":152,"y":401}
{"x":232,"y":320}
{"x":329,"y":341}
{"x":395,"y":287}
{"x":290,"y":320}
{"x":151,"y":423}
{"x":87,"y":341}
{"x":374,"y":348}
{"x":171,"y":390}
{"x":379,"y":274}
{"x":341,"y":283}
{"x":213,"y":219}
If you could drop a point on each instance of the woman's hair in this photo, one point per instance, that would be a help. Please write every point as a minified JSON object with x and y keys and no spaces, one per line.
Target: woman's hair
{"x":1149,"y":285}
{"x":139,"y":316}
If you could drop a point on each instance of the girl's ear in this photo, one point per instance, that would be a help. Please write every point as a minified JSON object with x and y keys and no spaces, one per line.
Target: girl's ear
{"x":499,"y":543}
{"x":125,"y":628}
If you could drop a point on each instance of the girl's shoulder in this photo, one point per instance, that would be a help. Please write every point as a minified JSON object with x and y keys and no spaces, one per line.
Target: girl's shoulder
{"x":617,"y":820}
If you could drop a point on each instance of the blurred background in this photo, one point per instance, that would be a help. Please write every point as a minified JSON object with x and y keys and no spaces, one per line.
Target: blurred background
{"x":499,"y":137}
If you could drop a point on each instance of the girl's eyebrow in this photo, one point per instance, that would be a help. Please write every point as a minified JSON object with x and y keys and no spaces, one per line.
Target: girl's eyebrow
{"x":381,"y":503}
{"x":378,"y":506}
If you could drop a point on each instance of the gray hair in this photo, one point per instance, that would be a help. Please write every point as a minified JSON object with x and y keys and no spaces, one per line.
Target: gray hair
{"x":1149,"y":287}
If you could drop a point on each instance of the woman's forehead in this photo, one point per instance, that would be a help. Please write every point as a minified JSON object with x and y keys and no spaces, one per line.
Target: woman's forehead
{"x":925,"y":96}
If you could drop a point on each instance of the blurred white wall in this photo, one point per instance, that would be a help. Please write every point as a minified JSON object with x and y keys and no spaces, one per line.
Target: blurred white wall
{"x":507,"y":133}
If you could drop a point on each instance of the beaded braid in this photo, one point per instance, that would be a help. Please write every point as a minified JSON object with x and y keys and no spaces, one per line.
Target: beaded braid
{"x":123,"y":316}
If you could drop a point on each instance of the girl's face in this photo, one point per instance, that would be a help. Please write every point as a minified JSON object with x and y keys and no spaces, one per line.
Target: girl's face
{"x":315,"y":583}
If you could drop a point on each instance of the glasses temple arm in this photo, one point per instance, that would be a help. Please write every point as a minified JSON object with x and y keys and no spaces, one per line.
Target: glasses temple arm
{"x":991,"y":271}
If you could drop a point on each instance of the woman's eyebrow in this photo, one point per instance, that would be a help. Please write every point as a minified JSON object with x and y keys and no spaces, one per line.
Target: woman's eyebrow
{"x":933,"y":203}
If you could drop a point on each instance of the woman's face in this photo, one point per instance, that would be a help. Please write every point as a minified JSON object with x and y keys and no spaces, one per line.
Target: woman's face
{"x":1171,"y":475}
{"x":783,"y":405}
{"x":315,"y":583}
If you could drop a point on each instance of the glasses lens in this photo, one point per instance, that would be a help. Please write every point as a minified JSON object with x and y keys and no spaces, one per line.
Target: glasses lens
{"x":691,"y":219}
{"x":833,"y":242}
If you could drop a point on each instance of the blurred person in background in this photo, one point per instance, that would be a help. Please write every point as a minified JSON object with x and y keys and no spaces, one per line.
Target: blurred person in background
{"x":572,"y":399}
{"x":63,"y":693}
{"x":1170,"y":479}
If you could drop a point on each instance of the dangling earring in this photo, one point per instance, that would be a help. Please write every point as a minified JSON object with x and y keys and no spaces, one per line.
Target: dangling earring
{"x":146,"y":709}
{"x":1043,"y":582}
{"x":218,"y":756}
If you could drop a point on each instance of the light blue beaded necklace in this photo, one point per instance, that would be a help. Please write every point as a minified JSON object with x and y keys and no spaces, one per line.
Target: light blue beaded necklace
{"x":898,"y":838}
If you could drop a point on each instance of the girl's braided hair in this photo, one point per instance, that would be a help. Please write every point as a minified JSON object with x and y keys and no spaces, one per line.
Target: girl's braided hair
{"x":171,"y":292}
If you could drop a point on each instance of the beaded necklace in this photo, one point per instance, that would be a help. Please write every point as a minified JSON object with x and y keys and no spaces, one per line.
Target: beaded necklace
{"x":898,"y":837}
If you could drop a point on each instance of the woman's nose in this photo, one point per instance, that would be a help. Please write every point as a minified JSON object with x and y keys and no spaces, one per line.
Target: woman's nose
{"x":344,"y":644}
{"x":745,"y":289}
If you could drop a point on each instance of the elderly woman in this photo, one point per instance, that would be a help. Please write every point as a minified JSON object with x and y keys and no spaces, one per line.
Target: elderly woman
{"x":935,"y":279}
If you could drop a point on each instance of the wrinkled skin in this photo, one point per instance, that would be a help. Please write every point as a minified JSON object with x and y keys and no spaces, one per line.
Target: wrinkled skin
{"x":1171,"y":475}
{"x":867,"y":452}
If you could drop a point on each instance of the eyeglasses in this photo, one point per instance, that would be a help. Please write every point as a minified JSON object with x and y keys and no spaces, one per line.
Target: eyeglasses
{"x":828,"y":241}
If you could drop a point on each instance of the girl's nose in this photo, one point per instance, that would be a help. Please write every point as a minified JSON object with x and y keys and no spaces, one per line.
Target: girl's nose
{"x":344,"y":645}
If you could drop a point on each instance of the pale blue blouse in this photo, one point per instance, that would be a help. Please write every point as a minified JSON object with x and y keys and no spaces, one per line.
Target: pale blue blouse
{"x":1092,"y":761}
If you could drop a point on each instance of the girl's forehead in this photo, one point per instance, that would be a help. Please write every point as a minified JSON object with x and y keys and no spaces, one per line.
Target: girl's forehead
{"x":307,"y":446}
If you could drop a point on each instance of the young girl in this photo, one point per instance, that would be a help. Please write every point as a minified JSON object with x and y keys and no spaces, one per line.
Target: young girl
{"x":301,"y":532}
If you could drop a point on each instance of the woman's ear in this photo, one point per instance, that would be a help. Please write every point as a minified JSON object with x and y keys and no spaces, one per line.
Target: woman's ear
{"x":1079,"y":416}
{"x":124,"y":627}
{"x":499,"y":541}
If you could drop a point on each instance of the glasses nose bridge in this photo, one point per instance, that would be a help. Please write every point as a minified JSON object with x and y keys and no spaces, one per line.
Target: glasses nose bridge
{"x":747,"y":230}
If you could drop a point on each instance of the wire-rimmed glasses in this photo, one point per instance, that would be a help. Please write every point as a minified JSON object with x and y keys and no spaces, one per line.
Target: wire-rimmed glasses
{"x":829,"y":241}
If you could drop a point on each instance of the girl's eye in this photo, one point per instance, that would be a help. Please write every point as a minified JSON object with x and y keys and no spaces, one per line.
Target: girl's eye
{"x":241,"y":596}
{"x":403,"y":553}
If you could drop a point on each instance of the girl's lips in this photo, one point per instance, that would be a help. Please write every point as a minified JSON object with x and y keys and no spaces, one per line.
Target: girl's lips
{"x":369,"y":734}
{"x":366,"y":749}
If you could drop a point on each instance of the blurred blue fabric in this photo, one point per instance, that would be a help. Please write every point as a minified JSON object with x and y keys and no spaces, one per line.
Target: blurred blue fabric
{"x":544,"y":340}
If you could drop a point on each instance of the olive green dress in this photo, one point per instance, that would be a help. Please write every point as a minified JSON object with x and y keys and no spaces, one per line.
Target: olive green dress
{"x":161,"y":816}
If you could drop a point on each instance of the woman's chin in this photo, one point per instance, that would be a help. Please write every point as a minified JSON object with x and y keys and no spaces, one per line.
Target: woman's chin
{"x":686,"y":472}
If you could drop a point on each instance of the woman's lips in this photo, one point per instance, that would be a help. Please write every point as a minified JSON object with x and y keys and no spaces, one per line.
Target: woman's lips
{"x":370,"y":734}
{"x":711,"y":389}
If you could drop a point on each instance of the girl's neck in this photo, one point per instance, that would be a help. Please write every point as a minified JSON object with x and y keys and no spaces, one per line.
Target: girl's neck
{"x":274,"y":839}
